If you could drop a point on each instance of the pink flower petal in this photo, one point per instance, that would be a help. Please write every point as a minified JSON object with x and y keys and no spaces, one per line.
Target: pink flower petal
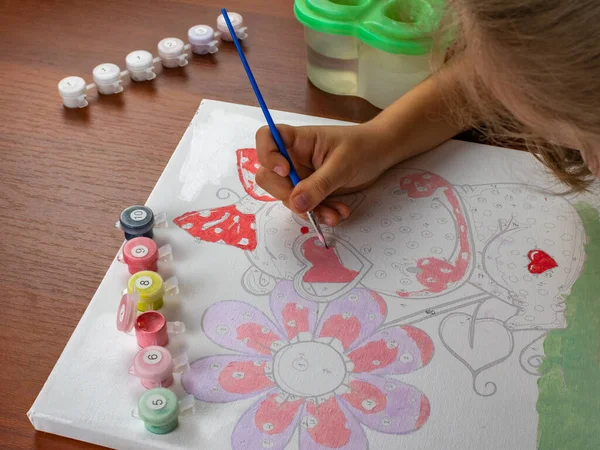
{"x":226,"y":378}
{"x":394,"y":350}
{"x":268,"y":424}
{"x":387,"y":405}
{"x":329,"y":426}
{"x":293,"y":312}
{"x":353,"y":317}
{"x":241,"y":327}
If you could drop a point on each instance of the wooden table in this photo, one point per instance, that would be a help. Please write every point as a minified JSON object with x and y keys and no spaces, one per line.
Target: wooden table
{"x":67,"y":174}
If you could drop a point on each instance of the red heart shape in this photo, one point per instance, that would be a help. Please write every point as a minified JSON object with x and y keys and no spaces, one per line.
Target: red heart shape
{"x":540,"y":262}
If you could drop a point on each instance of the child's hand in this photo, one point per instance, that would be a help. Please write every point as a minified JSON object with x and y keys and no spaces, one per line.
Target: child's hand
{"x":329,"y":160}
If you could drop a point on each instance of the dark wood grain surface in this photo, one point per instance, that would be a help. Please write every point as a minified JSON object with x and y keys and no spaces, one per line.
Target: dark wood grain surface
{"x":65,"y":174}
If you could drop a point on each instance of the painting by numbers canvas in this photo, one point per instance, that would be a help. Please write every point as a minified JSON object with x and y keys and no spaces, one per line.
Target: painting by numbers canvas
{"x":458,"y":308}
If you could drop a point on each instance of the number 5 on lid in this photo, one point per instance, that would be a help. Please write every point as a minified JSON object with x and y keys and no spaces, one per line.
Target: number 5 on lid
{"x":160,"y":410}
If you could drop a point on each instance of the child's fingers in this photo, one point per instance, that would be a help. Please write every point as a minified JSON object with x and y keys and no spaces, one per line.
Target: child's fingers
{"x":268,"y":153}
{"x":279,"y":187}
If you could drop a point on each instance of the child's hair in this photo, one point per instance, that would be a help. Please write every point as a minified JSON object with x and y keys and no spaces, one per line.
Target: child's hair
{"x":547,"y":55}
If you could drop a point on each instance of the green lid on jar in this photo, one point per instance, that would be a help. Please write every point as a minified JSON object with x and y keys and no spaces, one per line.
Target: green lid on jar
{"x":159,"y":409}
{"x":394,"y":26}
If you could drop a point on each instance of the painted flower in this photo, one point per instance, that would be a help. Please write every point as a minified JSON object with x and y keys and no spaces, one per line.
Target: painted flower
{"x":324,"y":376}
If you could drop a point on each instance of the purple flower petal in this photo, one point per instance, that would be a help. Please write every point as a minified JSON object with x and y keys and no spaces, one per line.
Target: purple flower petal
{"x":268,"y":424}
{"x":329,"y":425}
{"x":387,"y":405}
{"x":353,"y":317}
{"x":294,"y":313}
{"x":241,"y":327}
{"x":226,"y":378}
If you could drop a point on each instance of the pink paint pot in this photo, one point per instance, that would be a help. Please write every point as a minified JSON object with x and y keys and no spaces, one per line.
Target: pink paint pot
{"x":151,"y":327}
{"x":142,"y":253}
{"x":154,"y":366}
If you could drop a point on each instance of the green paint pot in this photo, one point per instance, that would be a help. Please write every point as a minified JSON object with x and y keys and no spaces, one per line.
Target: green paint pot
{"x":159,"y":409}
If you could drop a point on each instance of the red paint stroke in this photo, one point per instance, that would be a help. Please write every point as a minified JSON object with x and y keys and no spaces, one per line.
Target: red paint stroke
{"x":424,"y":412}
{"x":540,"y":262}
{"x":304,"y":230}
{"x":332,"y":429}
{"x":244,"y":377}
{"x":365,"y":397}
{"x":248,"y":165}
{"x":372,"y":356}
{"x":257,"y":337}
{"x":423,"y":341}
{"x":436,"y":274}
{"x":278,"y":416}
{"x":346,"y":330}
{"x":326,"y":265}
{"x":295,"y":320}
{"x":224,"y":225}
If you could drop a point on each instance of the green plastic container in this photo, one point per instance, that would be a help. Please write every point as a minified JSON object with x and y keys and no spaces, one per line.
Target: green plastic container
{"x":374,"y":49}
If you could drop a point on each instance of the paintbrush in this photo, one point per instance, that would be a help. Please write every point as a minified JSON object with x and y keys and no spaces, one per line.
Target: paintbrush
{"x":276,"y":136}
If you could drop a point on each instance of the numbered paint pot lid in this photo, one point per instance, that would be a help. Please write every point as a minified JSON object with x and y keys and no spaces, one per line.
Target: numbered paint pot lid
{"x":158,"y":406}
{"x":127,"y":312}
{"x":140,"y":250}
{"x":71,"y":87}
{"x":201,"y":35}
{"x":236,"y":21}
{"x":170,"y":47}
{"x":149,"y":285}
{"x":137,"y":219}
{"x":153,"y":363}
{"x":106,"y":73}
{"x":139,"y":60}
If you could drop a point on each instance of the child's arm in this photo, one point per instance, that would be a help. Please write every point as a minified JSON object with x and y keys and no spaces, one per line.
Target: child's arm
{"x":333,"y":160}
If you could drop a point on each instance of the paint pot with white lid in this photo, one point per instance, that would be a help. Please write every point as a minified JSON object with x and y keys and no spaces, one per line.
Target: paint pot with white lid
{"x":140,"y":65}
{"x":237,"y":21}
{"x":108,"y":77}
{"x":173,"y":52}
{"x":73,"y":91}
{"x":203,"y":39}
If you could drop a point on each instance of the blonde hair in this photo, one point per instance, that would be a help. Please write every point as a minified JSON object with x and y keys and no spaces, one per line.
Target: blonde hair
{"x":546,"y":53}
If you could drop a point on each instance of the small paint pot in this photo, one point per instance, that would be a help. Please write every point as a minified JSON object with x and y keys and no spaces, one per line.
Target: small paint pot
{"x":173,"y":52}
{"x":203,"y":39}
{"x":151,"y":289}
{"x":237,"y":21}
{"x":154,"y":366}
{"x":140,"y":65}
{"x":142,"y":253}
{"x":160,"y":410}
{"x":73,"y":91}
{"x":107,"y":77}
{"x":138,"y":220}
{"x":151,"y":327}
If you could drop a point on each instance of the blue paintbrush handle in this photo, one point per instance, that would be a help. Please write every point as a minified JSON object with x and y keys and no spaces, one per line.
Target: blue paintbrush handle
{"x":261,"y":101}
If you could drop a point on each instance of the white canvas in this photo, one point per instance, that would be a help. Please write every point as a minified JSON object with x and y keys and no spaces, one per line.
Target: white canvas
{"x":432,"y":265}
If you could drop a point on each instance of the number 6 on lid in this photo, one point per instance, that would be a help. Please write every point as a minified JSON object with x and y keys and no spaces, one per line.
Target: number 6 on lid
{"x":154,"y":366}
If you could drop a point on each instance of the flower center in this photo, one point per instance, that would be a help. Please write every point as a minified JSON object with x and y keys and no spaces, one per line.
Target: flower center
{"x":309,"y":369}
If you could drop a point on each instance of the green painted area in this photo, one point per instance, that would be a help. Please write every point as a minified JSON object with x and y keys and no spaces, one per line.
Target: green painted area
{"x":569,"y":388}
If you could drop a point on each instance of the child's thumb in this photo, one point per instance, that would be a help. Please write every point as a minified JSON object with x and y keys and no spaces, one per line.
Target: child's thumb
{"x":317,"y":187}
